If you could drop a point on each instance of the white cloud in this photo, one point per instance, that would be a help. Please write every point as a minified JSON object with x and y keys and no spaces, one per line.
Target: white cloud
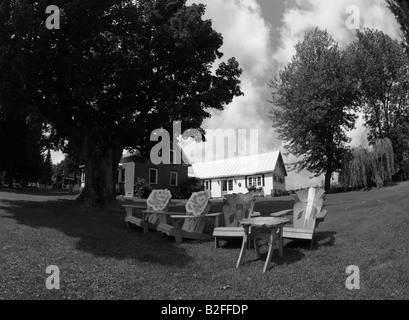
{"x":331,"y":15}
{"x":248,"y":37}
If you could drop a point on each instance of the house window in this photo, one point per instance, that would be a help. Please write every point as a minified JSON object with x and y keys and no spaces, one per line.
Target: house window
{"x":207,"y":184}
{"x":230,"y":185}
{"x":153,"y":176}
{"x":173,"y":178}
{"x":279,"y":178}
{"x":83,"y":177}
{"x":255,"y":181}
{"x":224,"y":187}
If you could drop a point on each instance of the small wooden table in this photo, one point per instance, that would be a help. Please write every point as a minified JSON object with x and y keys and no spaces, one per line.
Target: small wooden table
{"x":270,"y":228}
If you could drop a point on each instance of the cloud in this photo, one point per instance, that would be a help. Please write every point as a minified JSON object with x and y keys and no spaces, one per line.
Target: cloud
{"x":331,"y":15}
{"x":249,"y":37}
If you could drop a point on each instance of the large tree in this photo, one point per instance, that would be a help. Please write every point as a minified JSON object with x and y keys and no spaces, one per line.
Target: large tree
{"x":381,"y":66}
{"x":115,"y":71}
{"x":400,"y":8}
{"x":313,"y":100}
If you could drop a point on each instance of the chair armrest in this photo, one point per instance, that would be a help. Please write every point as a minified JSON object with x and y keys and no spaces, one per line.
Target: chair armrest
{"x":178,"y":216}
{"x":134,"y":206}
{"x":321,"y":215}
{"x":282,"y":213}
{"x":161,"y":212}
{"x":216,"y":214}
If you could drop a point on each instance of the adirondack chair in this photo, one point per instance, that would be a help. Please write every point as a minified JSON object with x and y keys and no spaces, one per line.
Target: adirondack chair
{"x":190,"y":224}
{"x":157,"y":202}
{"x":235,"y":208}
{"x":307,"y":214}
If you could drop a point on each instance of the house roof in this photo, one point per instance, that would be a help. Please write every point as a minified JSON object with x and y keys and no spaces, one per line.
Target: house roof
{"x":132,"y":157}
{"x":239,"y":166}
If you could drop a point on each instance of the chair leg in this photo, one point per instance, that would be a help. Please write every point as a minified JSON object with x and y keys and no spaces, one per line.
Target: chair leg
{"x":312,"y":242}
{"x":280,"y":243}
{"x":256,"y":246}
{"x":271,"y":241}
{"x":178,"y":238}
{"x":243,"y":250}
{"x":216,"y":242}
{"x":145,"y":228}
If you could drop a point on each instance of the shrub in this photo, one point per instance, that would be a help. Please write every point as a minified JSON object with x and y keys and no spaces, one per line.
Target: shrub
{"x":252,"y":188}
{"x":188,"y":186}
{"x":142,"y":188}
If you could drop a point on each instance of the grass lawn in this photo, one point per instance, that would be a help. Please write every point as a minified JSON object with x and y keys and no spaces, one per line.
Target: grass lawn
{"x":100,"y":258}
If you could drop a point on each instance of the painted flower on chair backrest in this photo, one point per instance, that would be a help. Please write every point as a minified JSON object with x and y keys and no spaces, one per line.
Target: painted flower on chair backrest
{"x":159,"y":199}
{"x":239,"y":206}
{"x":307,"y":203}
{"x":197,"y":202}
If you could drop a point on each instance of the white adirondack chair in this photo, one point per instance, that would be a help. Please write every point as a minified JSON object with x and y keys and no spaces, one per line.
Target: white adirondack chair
{"x":307,"y":214}
{"x":236,"y":207}
{"x":190,"y":224}
{"x":147,"y":216}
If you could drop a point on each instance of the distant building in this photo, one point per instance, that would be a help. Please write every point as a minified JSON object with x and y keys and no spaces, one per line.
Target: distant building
{"x":266,"y":172}
{"x":134,"y":166}
{"x":162,"y":176}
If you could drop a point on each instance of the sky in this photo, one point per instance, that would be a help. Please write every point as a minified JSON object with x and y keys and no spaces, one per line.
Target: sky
{"x":261,"y":35}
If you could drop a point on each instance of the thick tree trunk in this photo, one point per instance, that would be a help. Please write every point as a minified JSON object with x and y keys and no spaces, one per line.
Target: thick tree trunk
{"x":328,"y":176}
{"x":101,"y":158}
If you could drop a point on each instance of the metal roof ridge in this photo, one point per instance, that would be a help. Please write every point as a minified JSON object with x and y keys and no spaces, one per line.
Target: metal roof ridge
{"x":235,"y":158}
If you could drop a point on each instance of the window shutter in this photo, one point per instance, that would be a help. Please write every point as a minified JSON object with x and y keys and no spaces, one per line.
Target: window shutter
{"x":264,"y":183}
{"x":245,"y":178}
{"x":210,"y":184}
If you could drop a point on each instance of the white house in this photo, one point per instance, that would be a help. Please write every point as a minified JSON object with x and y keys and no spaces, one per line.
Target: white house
{"x":234,"y":175}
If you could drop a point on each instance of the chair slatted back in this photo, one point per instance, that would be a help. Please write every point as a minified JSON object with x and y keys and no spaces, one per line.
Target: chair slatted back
{"x":307,"y":204}
{"x":197,"y":205}
{"x":237,"y":207}
{"x":158,"y":200}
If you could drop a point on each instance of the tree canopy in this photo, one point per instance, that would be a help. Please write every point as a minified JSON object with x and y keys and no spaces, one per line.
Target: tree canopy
{"x":313,"y":98}
{"x":115,"y":71}
{"x":382,"y":68}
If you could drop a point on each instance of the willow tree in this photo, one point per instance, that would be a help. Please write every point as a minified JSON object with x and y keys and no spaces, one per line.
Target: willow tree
{"x":314,"y":98}
{"x":113,"y":72}
{"x":363,"y":168}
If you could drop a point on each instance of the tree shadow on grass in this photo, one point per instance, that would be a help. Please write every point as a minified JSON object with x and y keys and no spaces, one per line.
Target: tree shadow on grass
{"x":293,"y":249}
{"x":36,"y":191}
{"x":290,"y":256}
{"x":321,"y":239}
{"x":101,"y":233}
